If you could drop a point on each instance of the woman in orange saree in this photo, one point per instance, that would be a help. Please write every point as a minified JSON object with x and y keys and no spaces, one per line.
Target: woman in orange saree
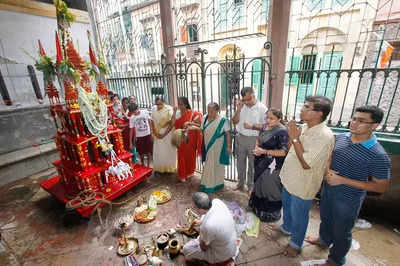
{"x":188,"y":152}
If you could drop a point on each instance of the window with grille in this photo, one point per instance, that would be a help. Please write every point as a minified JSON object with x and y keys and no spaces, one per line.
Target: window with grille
{"x":193,"y":34}
{"x":265,"y":9}
{"x":221,"y":15}
{"x":308,"y":63}
{"x":237,"y":13}
{"x":127,"y":19}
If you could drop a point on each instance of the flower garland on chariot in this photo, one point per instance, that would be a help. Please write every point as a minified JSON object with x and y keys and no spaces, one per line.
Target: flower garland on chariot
{"x":95,"y":115}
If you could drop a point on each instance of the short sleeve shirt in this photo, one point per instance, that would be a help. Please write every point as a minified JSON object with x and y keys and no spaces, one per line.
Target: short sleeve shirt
{"x":318,"y":142}
{"x":251,"y":115}
{"x":358,"y":161}
{"x":141,"y":123}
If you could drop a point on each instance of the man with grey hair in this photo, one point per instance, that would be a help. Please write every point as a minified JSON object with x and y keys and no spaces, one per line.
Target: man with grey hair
{"x":217,"y":241}
{"x":249,"y":112}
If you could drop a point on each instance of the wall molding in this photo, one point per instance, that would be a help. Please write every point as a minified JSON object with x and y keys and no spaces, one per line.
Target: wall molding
{"x":40,"y":9}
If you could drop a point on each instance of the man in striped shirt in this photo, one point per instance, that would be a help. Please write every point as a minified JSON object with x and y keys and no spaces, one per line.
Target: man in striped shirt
{"x":358,"y":164}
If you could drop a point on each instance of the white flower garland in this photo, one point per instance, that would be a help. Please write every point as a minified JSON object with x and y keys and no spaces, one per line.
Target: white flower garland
{"x":94,"y":112}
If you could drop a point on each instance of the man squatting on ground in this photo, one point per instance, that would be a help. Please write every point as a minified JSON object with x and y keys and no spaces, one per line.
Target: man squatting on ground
{"x":217,"y":243}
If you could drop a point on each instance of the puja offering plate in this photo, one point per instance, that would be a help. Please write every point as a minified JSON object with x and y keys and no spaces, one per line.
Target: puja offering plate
{"x":190,"y":215}
{"x":130,"y":247}
{"x":145,"y":216}
{"x":189,"y":232}
{"x":186,"y":229}
{"x":162,"y":196}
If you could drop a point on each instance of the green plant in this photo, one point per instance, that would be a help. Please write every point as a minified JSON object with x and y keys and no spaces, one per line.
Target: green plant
{"x":102,"y":67}
{"x":66,"y":70}
{"x":63,"y":13}
{"x":46,"y":65}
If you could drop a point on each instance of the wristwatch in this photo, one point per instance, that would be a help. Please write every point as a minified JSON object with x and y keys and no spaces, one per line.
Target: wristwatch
{"x":295,"y":140}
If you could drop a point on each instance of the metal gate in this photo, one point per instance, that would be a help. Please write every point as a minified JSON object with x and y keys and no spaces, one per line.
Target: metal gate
{"x":201,"y":82}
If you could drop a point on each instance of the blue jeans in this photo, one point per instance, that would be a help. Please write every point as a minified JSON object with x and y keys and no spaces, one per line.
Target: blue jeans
{"x":295,"y":218}
{"x":338,"y":215}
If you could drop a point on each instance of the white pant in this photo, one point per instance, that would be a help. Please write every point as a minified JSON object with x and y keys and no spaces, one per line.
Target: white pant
{"x":192,"y":251}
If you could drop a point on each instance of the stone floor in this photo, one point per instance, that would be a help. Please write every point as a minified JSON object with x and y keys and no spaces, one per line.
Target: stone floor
{"x":37,"y":230}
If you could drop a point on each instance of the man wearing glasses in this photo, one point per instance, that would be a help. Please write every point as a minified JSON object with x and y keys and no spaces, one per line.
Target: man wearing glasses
{"x":249,"y":111}
{"x":359,"y":164}
{"x":304,"y":168}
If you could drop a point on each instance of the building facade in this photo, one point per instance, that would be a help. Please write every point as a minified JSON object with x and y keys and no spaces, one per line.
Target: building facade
{"x":130,"y":33}
{"x":334,"y":49}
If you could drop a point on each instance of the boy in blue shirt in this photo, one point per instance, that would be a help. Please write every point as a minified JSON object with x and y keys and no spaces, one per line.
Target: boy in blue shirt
{"x":358,"y":164}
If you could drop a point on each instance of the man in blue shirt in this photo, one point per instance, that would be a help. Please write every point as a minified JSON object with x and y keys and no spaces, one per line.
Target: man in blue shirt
{"x":358,"y":164}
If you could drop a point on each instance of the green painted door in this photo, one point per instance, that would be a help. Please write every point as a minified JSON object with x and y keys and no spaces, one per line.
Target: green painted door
{"x":307,"y":77}
{"x":224,"y":89}
{"x":327,"y":86}
{"x":257,"y":77}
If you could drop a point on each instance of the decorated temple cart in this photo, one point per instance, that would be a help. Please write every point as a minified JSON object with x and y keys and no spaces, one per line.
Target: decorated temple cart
{"x":94,"y":167}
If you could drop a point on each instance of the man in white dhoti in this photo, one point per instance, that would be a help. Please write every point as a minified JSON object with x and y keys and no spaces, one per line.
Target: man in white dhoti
{"x":217,"y":243}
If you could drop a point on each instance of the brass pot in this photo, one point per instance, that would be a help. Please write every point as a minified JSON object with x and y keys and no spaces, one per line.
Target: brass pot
{"x":179,"y":136}
{"x":174,"y":247}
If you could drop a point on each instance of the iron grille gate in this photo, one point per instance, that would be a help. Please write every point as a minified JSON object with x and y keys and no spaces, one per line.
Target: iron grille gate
{"x":347,"y":87}
{"x":201,"y":82}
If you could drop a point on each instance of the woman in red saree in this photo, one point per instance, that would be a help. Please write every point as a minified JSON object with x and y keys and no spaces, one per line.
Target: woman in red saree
{"x":188,"y":152}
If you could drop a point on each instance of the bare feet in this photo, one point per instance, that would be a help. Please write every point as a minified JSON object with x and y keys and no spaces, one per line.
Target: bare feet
{"x":315,"y":241}
{"x":291,"y":252}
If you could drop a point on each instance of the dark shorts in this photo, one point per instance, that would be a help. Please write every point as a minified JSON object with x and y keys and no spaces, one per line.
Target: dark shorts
{"x":144,"y":145}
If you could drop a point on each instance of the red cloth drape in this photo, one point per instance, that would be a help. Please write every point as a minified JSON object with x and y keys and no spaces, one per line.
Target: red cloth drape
{"x":188,"y":152}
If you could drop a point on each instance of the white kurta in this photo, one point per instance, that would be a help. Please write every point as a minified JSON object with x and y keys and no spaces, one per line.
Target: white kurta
{"x":217,"y":230}
{"x":213,"y":175}
{"x":164,"y":154}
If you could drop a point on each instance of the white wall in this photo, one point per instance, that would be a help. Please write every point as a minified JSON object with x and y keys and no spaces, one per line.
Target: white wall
{"x":20,"y":30}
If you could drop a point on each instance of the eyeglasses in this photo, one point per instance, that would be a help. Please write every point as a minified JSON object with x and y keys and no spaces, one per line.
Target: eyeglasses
{"x":361,"y":121}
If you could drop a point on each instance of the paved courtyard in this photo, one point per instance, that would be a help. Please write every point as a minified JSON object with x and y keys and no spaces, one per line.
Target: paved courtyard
{"x":37,"y":230}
